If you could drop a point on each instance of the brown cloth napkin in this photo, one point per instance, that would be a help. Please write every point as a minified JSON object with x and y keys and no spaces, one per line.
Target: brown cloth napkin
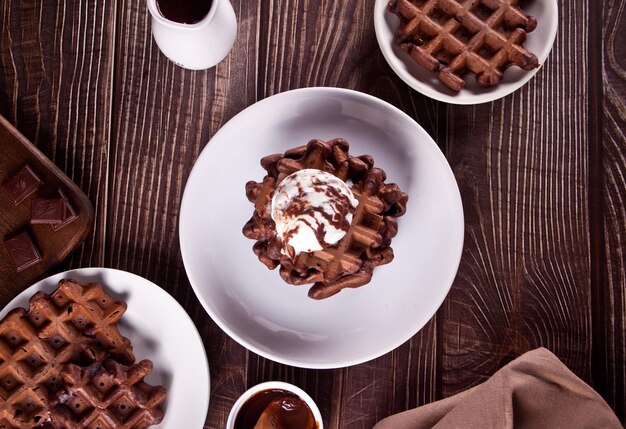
{"x":534,"y":391}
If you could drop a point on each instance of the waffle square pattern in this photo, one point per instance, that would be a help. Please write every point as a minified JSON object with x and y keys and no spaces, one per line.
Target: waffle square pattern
{"x":457,"y":37}
{"x":66,"y":348}
{"x":367,"y":243}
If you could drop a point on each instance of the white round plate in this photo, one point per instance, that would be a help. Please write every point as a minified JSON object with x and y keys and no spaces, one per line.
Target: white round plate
{"x":160,"y":330}
{"x":539,"y":42}
{"x":276,"y":320}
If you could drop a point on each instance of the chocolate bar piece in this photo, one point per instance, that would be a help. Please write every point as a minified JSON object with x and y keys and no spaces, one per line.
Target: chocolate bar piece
{"x":70,"y":213}
{"x":48,"y":210}
{"x":22,"y":251}
{"x":22,"y":185}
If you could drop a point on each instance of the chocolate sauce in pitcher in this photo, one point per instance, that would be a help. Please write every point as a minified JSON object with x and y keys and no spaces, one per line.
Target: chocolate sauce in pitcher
{"x":184,"y":11}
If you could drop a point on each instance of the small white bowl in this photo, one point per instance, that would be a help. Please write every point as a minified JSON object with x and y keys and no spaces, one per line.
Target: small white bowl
{"x":268,"y":385}
{"x":539,"y":42}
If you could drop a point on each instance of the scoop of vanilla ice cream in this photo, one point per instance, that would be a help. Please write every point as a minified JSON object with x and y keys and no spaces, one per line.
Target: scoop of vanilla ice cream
{"x":312,"y":210}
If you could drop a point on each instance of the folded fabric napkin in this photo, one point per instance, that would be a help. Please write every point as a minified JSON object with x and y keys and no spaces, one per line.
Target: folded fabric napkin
{"x":536,"y":390}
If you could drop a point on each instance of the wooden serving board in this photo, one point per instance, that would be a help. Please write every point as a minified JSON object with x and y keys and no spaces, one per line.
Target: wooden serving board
{"x":15,"y":152}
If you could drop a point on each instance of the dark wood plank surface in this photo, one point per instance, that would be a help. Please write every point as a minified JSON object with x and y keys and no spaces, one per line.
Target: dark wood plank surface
{"x":611,"y":226}
{"x":541,"y":172}
{"x":524,"y":279}
{"x":56,"y":69}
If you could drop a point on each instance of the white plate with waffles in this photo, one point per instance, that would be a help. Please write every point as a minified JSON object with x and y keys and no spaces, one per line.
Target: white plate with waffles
{"x":160,"y":330}
{"x":277,"y":320}
{"x":539,"y":42}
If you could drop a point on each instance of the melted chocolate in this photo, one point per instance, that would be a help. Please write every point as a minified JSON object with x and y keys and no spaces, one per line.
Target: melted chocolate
{"x":341,"y":206}
{"x":285,"y":409}
{"x":185,"y":11}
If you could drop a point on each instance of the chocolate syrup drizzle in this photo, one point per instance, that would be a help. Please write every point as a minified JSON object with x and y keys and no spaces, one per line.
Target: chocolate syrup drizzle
{"x":339,"y":202}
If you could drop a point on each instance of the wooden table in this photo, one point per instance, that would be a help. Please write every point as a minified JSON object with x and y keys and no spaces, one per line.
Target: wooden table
{"x":542,"y":175}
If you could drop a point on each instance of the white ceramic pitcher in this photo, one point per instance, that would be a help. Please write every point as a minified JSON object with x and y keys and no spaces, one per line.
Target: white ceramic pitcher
{"x":196,"y":46}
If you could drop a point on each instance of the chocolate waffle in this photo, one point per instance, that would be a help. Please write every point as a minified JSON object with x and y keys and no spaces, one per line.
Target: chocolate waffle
{"x":350,"y":262}
{"x":74,"y":324}
{"x":108,"y":395}
{"x":454,"y":38}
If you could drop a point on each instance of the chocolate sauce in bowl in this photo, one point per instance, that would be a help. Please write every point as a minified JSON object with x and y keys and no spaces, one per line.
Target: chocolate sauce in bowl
{"x":285,"y":409}
{"x":184,"y":11}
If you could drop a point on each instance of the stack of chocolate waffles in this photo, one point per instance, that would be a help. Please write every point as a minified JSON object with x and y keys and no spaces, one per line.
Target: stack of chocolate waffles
{"x":454,"y":38}
{"x":64,"y":364}
{"x":350,"y":262}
